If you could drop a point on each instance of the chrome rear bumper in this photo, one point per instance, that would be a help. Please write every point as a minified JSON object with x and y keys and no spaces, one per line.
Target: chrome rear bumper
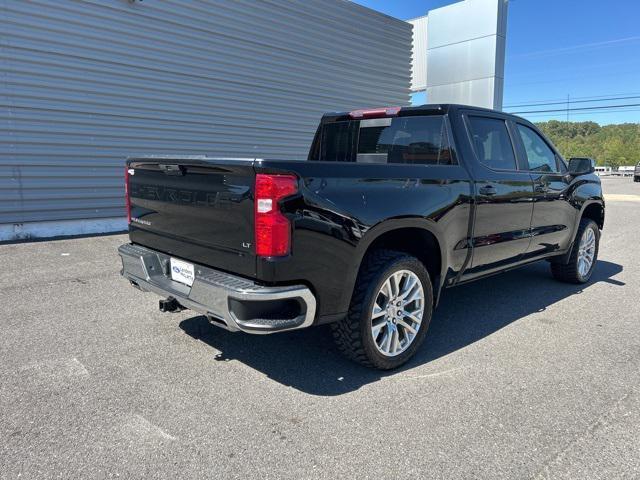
{"x":229,"y":301}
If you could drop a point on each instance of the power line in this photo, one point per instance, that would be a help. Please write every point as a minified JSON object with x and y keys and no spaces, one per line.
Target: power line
{"x":563,"y":100}
{"x":583,"y":46}
{"x":562,"y":110}
{"x":560,"y":114}
{"x":604,"y":99}
{"x":605,"y":95}
{"x":573,"y":78}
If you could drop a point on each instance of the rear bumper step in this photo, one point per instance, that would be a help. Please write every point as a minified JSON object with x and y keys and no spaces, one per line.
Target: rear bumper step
{"x":232,"y":302}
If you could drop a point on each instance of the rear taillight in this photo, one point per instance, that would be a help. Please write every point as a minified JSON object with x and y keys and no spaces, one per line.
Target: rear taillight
{"x":127,"y":201}
{"x":273,"y":229}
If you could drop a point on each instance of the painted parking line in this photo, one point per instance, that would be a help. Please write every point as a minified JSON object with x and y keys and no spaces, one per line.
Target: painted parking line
{"x":57,"y":369}
{"x":618,"y":197}
{"x":138,"y":427}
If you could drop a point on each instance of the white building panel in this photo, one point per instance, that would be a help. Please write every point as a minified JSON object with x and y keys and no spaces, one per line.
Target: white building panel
{"x":462,"y":61}
{"x":462,"y":57}
{"x":466,"y":20}
{"x":481,"y":92}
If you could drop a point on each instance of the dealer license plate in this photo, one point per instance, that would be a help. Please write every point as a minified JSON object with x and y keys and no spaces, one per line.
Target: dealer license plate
{"x":182,"y":272}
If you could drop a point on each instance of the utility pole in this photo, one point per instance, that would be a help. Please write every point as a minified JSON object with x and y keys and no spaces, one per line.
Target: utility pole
{"x":567,"y":144}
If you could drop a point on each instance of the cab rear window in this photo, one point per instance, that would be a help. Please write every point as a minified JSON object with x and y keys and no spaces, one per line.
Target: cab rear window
{"x":414,"y":140}
{"x":397,"y":140}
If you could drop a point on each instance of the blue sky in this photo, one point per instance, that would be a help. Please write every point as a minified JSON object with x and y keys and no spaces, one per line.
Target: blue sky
{"x":555,"y":48}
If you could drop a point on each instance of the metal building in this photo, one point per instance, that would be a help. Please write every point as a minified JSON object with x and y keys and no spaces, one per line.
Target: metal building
{"x":459,"y":53}
{"x":84,"y":84}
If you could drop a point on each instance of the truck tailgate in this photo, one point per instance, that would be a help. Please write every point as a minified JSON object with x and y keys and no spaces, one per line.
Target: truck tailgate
{"x":200,"y":210}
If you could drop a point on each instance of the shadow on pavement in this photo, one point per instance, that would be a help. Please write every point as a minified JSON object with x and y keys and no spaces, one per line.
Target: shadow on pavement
{"x":307,"y":360}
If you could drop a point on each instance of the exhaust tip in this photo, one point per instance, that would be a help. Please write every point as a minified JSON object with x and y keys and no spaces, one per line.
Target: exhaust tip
{"x":218,"y":321}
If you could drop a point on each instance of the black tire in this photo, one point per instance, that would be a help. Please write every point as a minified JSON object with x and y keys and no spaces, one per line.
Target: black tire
{"x":569,"y":272}
{"x":353,"y":334}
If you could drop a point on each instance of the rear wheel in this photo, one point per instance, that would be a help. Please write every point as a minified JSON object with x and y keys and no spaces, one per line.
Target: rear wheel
{"x":390,"y":311}
{"x":583,"y":256}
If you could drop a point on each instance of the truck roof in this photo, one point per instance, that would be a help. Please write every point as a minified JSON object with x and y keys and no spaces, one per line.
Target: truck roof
{"x":428,"y":108}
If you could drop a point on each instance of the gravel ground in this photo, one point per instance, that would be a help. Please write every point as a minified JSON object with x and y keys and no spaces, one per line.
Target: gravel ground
{"x":520,"y":377}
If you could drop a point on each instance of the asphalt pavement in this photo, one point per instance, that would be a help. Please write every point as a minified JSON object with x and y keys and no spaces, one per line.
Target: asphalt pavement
{"x":520,"y":377}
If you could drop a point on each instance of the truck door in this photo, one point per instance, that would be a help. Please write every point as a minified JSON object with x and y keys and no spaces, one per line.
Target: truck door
{"x":504,"y":195}
{"x":553,"y":215}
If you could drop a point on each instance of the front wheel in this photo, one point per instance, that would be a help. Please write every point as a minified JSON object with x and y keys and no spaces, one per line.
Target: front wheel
{"x":390,"y":311}
{"x":584,"y":255}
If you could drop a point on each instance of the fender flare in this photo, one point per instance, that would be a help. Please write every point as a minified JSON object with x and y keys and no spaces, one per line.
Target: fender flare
{"x":585,"y":204}
{"x":386,"y":226}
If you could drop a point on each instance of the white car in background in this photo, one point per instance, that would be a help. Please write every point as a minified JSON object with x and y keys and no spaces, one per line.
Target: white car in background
{"x":626,"y":171}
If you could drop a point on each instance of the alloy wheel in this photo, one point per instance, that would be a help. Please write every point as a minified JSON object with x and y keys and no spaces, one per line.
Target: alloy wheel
{"x":397,"y":313}
{"x":586,"y":252}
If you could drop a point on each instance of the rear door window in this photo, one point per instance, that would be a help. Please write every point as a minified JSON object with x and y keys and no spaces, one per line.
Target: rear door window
{"x":405,"y":140}
{"x":492,"y":143}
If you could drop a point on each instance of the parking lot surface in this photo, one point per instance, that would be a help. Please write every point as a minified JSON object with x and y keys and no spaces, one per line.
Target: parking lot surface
{"x":520,"y":377}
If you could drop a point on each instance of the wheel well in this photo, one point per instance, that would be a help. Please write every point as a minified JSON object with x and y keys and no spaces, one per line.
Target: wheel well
{"x":596,"y":213}
{"x":418,"y":242}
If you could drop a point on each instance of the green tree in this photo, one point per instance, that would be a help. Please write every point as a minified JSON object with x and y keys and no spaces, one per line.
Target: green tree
{"x":611,"y":145}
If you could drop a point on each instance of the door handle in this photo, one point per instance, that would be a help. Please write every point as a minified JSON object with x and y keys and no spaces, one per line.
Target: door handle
{"x":542,"y":189}
{"x":488,"y":190}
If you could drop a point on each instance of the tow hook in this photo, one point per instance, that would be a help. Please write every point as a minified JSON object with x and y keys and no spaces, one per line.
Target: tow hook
{"x":170,"y":305}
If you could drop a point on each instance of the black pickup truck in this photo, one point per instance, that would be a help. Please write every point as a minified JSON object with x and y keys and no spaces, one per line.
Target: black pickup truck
{"x":392,"y":206}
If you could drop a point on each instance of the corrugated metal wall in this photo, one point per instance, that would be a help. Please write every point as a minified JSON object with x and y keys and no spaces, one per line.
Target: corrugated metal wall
{"x":84,"y":84}
{"x":419,"y":57}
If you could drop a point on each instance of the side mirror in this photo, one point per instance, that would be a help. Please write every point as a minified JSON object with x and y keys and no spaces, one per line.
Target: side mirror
{"x":581,"y":166}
